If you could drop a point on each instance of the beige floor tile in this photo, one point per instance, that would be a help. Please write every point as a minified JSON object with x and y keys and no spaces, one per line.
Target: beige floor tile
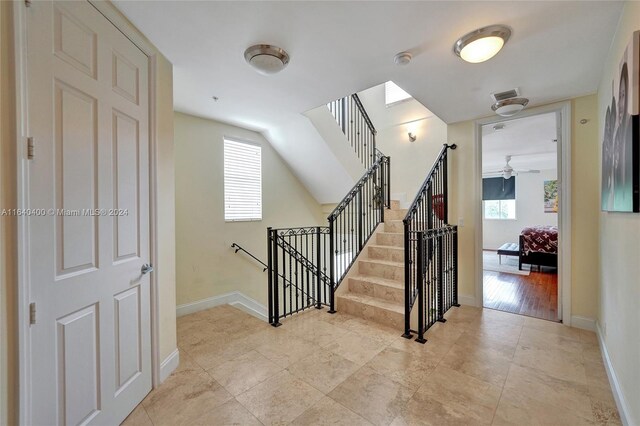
{"x":605,"y":413}
{"x":372,"y":329}
{"x":451,"y":397}
{"x":324,"y":370}
{"x":555,"y":362}
{"x":279,"y":399}
{"x":319,"y":332}
{"x":217,"y":352}
{"x":356,"y":348}
{"x":434,"y":350}
{"x":373,"y":396}
{"x":523,"y":411}
{"x":244,"y":372}
{"x":487,"y":364}
{"x":496,"y":331}
{"x":329,"y":412}
{"x":502,"y":317}
{"x":287,"y":349}
{"x":444,"y":333}
{"x":529,"y":384}
{"x":534,"y":337}
{"x":138,"y":417}
{"x":227,"y":414}
{"x":410,"y":369}
{"x":553,"y":327}
{"x":184,"y":395}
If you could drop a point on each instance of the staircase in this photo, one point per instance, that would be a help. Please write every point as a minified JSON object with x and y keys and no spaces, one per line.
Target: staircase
{"x":375,"y":285}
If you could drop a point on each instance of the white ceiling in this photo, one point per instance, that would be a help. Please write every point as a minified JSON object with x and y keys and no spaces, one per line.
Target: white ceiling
{"x":338,"y":48}
{"x":529,"y":140}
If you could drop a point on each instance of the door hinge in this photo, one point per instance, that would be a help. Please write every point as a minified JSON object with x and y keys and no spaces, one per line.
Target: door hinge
{"x":32,"y":313}
{"x":30,"y":148}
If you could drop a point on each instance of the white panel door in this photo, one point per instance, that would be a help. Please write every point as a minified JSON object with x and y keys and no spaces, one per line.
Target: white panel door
{"x":88,"y":114}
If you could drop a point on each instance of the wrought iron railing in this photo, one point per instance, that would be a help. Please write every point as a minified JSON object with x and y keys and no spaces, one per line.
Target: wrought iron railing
{"x":357,"y":127}
{"x":429,"y":210}
{"x":298,"y":259}
{"x":436,"y":275}
{"x":306,"y":265}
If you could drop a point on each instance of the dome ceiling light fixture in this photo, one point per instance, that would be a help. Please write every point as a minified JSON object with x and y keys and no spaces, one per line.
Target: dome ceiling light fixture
{"x":266,"y":58}
{"x":509,"y":107}
{"x":482,"y":44}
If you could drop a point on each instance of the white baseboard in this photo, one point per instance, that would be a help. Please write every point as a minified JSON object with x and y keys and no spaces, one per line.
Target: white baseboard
{"x":621,"y":403}
{"x":584,"y":323}
{"x":234,"y":298}
{"x":169,"y":365}
{"x":467,"y":300}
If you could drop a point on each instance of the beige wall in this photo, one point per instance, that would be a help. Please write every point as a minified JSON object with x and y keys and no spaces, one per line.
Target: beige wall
{"x":165,"y":274}
{"x":206,"y":265}
{"x":619,"y":316}
{"x":8,"y":336}
{"x":466,"y":201}
{"x":411,"y":161}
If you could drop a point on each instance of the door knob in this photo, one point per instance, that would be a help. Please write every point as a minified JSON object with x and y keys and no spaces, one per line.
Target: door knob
{"x":146,"y":268}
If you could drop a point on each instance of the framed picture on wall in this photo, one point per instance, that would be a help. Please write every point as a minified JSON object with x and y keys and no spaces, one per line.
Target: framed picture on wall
{"x":621,"y":138}
{"x":551,"y":196}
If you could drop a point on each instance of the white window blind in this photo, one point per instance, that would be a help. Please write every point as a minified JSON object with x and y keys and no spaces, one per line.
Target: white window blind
{"x":242,"y":181}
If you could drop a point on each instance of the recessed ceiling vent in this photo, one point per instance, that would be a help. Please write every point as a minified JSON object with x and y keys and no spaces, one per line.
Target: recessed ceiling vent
{"x":507,"y":94}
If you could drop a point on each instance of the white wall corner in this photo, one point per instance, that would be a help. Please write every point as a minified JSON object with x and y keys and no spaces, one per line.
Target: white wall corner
{"x":467,"y":300}
{"x":621,"y":402}
{"x":584,"y":323}
{"x":234,"y":298}
{"x":169,"y":365}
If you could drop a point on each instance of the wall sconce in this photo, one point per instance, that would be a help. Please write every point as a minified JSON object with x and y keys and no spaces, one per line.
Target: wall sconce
{"x":412,"y":137}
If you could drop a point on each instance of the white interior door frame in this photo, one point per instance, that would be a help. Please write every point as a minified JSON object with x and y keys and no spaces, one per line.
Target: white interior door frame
{"x":111,"y":13}
{"x":563,"y":114}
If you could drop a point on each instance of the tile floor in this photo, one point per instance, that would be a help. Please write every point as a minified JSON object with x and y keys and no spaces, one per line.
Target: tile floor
{"x":481,"y":367}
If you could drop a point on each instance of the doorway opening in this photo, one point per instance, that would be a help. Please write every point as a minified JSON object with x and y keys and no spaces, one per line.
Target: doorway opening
{"x":520,"y":215}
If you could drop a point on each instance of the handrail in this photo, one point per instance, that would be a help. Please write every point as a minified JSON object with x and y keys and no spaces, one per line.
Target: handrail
{"x":357,"y":127}
{"x":301,"y":258}
{"x":237,"y":248}
{"x":420,"y":193}
{"x":342,"y":204}
{"x":367,"y":119}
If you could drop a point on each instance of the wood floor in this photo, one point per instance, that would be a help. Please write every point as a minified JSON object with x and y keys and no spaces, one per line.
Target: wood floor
{"x":535,"y":295}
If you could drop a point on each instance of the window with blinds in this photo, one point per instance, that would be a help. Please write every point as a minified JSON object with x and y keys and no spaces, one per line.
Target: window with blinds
{"x":242,"y":181}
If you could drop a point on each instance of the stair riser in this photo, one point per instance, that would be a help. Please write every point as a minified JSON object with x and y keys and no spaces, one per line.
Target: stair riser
{"x":371,"y":313}
{"x":376,"y":290}
{"x":394,"y":226}
{"x":395,"y":240}
{"x":380,"y":270}
{"x":395,"y":214}
{"x":395,"y":254}
{"x":395,"y":205}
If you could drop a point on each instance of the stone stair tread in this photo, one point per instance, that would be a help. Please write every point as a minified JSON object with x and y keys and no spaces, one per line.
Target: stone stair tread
{"x":385,"y":247}
{"x":391,"y":233}
{"x":374,"y":301}
{"x":379,"y":280}
{"x":383,"y":262}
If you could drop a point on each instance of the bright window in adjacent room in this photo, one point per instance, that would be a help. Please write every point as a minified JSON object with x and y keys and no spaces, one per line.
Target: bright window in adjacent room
{"x":500,"y":209}
{"x":394,"y":94}
{"x":242,"y":181}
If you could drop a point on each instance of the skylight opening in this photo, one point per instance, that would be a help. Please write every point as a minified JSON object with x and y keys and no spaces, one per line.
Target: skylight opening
{"x":394,"y":94}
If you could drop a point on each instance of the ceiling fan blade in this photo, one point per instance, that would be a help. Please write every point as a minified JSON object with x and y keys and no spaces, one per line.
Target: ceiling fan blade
{"x":527,"y":171}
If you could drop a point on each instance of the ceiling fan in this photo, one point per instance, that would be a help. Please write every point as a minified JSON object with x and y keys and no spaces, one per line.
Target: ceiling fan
{"x":507,"y":171}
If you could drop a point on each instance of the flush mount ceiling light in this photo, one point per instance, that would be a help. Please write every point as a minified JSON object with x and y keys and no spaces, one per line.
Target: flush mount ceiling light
{"x":483,"y":44}
{"x":266,"y":59}
{"x":509,"y":107}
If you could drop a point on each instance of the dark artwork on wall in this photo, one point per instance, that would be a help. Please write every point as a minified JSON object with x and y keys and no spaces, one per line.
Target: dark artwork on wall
{"x":621,"y":138}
